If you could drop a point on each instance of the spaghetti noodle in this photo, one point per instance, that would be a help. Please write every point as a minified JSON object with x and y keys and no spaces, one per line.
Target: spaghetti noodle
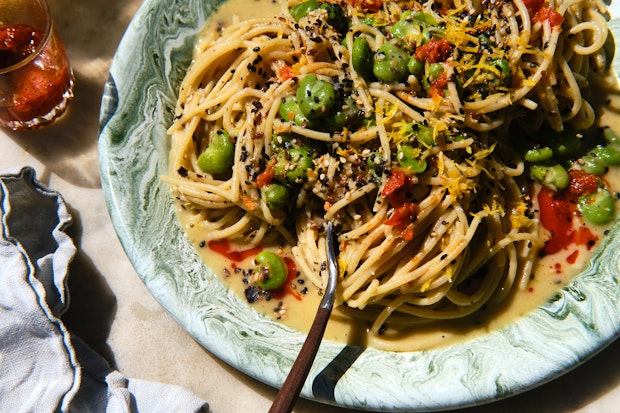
{"x":412,"y":165}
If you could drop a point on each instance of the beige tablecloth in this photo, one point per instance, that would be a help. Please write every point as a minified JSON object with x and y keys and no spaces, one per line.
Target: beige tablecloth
{"x":110,"y":308}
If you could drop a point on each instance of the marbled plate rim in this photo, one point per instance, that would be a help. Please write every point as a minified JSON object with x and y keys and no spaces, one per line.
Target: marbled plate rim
{"x":136,"y":108}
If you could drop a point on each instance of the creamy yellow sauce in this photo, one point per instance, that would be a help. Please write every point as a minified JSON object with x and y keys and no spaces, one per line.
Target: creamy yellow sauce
{"x":297,"y":309}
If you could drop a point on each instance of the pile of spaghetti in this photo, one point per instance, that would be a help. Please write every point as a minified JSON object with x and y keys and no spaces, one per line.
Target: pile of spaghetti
{"x":391,"y":120}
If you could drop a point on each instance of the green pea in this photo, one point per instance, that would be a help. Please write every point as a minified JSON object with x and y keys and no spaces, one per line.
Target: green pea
{"x":362,"y":57}
{"x":302,"y":9}
{"x":597,"y":208}
{"x":315,"y":97}
{"x":275,"y":195}
{"x":390,"y":63}
{"x":539,"y":154}
{"x":554,"y":177}
{"x":610,"y":153}
{"x":415,"y":66}
{"x":292,"y":164}
{"x":409,"y":158}
{"x":219,"y":155}
{"x":290,"y":111}
{"x":271,"y":270}
{"x":592,"y":164}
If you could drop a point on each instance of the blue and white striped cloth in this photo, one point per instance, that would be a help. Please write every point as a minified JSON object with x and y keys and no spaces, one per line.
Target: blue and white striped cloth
{"x":43,"y":367}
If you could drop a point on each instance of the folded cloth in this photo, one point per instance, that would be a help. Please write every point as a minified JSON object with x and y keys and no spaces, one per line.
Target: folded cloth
{"x":43,"y":367}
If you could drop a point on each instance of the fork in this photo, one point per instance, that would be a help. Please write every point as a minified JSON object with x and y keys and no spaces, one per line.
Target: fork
{"x":289,"y":392}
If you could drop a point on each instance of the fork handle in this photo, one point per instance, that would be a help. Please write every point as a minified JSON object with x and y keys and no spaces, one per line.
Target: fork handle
{"x":288,"y":394}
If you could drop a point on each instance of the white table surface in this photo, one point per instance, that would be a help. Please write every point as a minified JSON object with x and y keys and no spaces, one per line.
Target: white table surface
{"x":110,"y":307}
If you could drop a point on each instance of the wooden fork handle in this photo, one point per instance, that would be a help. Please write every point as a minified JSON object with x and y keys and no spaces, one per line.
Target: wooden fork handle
{"x":287,"y":396}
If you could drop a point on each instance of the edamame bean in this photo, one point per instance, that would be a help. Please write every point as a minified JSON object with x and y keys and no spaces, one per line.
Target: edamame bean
{"x":423,"y":134}
{"x":592,"y":164}
{"x":290,"y":111}
{"x":292,"y":164}
{"x":315,"y":97}
{"x":433,"y":72}
{"x":427,"y":34}
{"x":425,"y":18}
{"x":345,"y":114}
{"x":409,"y":157}
{"x":302,"y":9}
{"x":554,"y":177}
{"x":597,"y":208}
{"x":610,"y":136}
{"x":218,"y":157}
{"x":275,"y":195}
{"x":271,"y":270}
{"x":415,"y":28}
{"x":335,"y":14}
{"x":362,"y":57}
{"x":370,"y":21}
{"x":609,"y":154}
{"x":279,"y":141}
{"x":404,"y":29}
{"x":390,"y":63}
{"x":539,"y":154}
{"x":415,"y":66}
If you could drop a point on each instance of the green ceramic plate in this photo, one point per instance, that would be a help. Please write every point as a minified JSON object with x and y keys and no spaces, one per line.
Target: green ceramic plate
{"x":138,"y":107}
